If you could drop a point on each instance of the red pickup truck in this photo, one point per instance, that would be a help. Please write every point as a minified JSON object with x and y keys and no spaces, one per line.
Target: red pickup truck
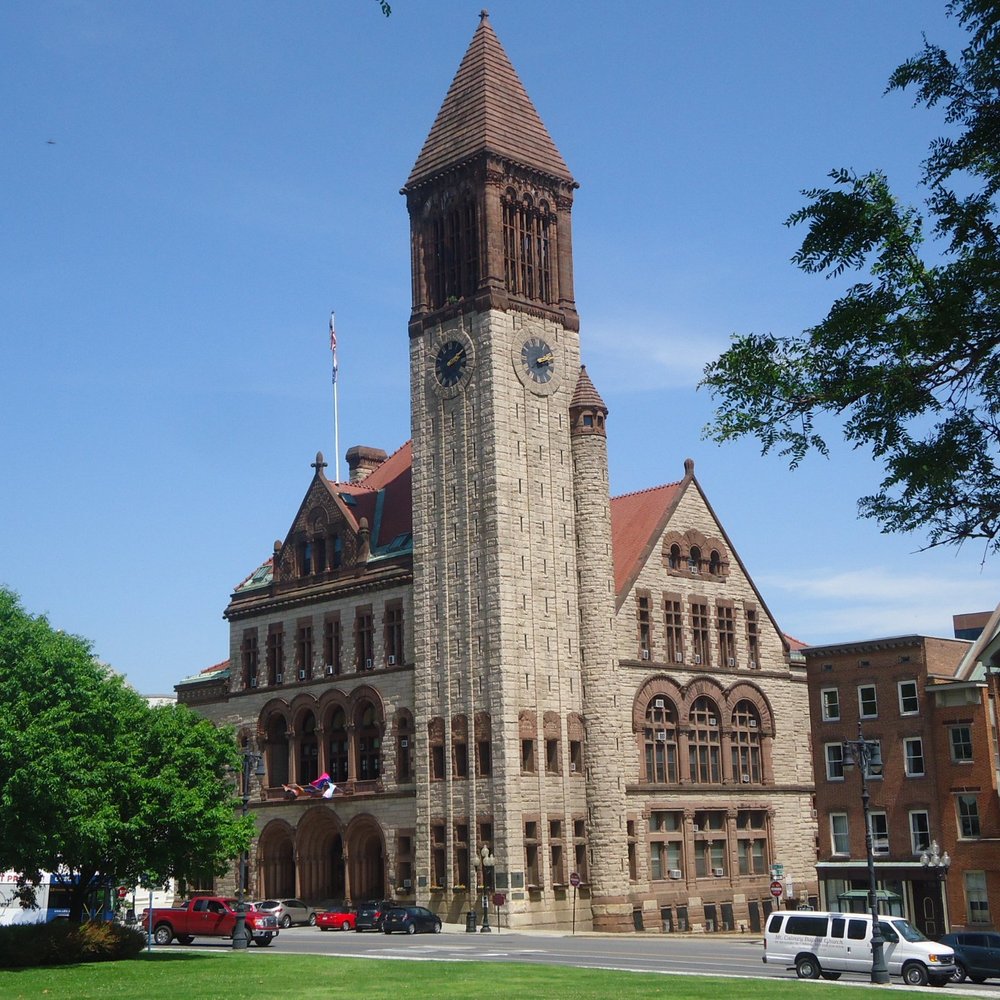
{"x":208,"y":916}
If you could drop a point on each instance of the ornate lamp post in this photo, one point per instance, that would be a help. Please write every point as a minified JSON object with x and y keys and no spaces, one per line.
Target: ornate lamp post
{"x":489,"y":863}
{"x":939,"y":863}
{"x":253,"y":765}
{"x":865,"y":753}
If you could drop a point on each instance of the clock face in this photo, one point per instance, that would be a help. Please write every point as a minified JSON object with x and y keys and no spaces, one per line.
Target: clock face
{"x":452,"y":360}
{"x":538,"y":360}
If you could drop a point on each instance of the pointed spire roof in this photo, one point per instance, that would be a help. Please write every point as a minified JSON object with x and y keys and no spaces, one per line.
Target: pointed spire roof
{"x":586,"y":395}
{"x":487,"y":109}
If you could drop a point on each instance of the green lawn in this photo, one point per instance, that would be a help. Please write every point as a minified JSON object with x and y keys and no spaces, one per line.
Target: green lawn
{"x":258,"y":975}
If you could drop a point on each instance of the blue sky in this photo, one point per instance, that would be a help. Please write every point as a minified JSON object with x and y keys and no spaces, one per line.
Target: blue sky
{"x":189,"y":188}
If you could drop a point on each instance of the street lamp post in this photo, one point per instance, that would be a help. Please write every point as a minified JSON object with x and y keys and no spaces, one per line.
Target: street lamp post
{"x":253,"y":765}
{"x":489,"y":863}
{"x":864,"y":753}
{"x":939,"y":863}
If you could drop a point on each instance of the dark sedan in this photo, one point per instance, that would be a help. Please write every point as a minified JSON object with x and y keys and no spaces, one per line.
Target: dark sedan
{"x":977,"y":955}
{"x":369,"y":915}
{"x":411,"y":920}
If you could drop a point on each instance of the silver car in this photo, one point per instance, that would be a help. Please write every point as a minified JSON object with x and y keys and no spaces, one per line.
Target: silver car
{"x":289,"y":911}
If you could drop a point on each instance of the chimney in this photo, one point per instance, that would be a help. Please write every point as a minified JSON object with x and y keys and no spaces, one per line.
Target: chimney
{"x":363,"y":461}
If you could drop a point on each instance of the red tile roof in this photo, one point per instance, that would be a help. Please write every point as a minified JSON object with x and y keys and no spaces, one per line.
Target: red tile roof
{"x":636,"y":520}
{"x":394,"y":477}
{"x":487,"y":109}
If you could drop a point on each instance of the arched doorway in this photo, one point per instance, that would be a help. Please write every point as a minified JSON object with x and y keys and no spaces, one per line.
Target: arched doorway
{"x":320,"y":855}
{"x":276,"y":854}
{"x":366,"y":860}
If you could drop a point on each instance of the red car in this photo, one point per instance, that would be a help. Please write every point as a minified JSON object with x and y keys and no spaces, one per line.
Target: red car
{"x":337,"y":918}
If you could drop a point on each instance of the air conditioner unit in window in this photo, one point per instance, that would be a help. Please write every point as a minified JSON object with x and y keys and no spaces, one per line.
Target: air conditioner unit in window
{"x":718,"y":872}
{"x":731,"y":661}
{"x":572,"y":766}
{"x":329,"y":670}
{"x":752,"y":664}
{"x":712,"y":720}
{"x":697,"y":658}
{"x":302,"y":675}
{"x":404,"y":742}
{"x":645,"y":654}
{"x":661,"y":735}
{"x":253,"y":682}
{"x":752,"y":723}
{"x":407,"y":884}
{"x":369,"y":664}
{"x":280,"y":679}
{"x":745,"y":778}
{"x":695,"y":827}
{"x":678,"y":657}
{"x":391,"y":660}
{"x":659,"y":703}
{"x":674,"y":873}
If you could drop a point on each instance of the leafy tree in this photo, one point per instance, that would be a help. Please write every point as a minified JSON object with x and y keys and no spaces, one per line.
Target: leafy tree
{"x":94,"y":782}
{"x":907,"y":358}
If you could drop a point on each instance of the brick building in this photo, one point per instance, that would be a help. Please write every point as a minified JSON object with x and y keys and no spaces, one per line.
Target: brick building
{"x":919,"y":699}
{"x":485,"y":651}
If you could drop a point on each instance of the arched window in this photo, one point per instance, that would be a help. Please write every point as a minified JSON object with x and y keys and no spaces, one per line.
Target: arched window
{"x":715,"y":563}
{"x":277,"y":751}
{"x":674,"y":559}
{"x":703,"y":742}
{"x":660,"y":741}
{"x":745,"y":743}
{"x":694,"y":559}
{"x":308,"y":769}
{"x":369,"y":744}
{"x":527,"y":247}
{"x":337,"y":756}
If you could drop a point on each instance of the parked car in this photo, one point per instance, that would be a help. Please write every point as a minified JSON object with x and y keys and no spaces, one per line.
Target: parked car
{"x":289,"y":911}
{"x":369,"y":915}
{"x":411,"y":920}
{"x":336,"y":918}
{"x":977,"y":955}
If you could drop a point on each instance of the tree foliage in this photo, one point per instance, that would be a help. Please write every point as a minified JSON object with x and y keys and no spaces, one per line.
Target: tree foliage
{"x":907,"y":357}
{"x":94,"y":782}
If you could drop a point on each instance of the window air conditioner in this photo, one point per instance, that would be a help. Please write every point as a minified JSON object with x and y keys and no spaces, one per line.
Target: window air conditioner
{"x":572,"y":766}
{"x":695,"y":827}
{"x":645,"y":654}
{"x":404,"y":742}
{"x":752,"y":723}
{"x":674,"y":873}
{"x":391,"y":660}
{"x":661,"y":735}
{"x":659,"y":703}
{"x":253,"y":682}
{"x":407,"y":884}
{"x":745,"y":778}
{"x":697,"y":658}
{"x":678,"y":657}
{"x":329,"y":670}
{"x":368,"y":663}
{"x":712,"y":720}
{"x":731,"y":661}
{"x":718,"y":872}
{"x":302,"y":675}
{"x":280,"y":679}
{"x":752,"y":664}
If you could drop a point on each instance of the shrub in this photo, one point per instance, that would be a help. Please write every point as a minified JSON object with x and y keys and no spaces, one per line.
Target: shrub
{"x":63,"y":943}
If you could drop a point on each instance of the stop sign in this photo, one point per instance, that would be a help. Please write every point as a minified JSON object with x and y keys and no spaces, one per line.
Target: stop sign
{"x":574,"y":879}
{"x":776,"y":889}
{"x":122,"y":891}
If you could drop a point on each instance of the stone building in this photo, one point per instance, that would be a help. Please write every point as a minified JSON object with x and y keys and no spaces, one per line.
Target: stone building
{"x":486,"y":653}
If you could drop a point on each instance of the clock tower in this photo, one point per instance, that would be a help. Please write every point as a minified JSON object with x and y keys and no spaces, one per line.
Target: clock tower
{"x":494,"y":362}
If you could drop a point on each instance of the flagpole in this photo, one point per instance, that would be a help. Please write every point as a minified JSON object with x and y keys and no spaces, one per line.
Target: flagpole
{"x":336,"y":410}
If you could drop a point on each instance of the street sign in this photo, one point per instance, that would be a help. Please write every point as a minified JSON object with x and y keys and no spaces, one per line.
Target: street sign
{"x":777,"y":870}
{"x":776,"y":889}
{"x":574,"y":879}
{"x":499,"y":899}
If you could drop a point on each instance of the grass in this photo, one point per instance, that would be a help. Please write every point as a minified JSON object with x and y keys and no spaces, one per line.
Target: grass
{"x":255,"y":975}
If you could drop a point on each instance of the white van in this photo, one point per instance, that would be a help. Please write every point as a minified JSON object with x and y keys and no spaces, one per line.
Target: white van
{"x":829,"y":944}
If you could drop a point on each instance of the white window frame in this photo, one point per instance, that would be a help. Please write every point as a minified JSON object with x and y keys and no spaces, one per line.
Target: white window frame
{"x":826,"y":703}
{"x":880,"y":832}
{"x":977,"y":901}
{"x":920,"y":839}
{"x":861,"y":707}
{"x":962,"y":835}
{"x":916,"y":697}
{"x":907,"y":743}
{"x":844,"y":834}
{"x":828,"y":760}
{"x":951,"y":744}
